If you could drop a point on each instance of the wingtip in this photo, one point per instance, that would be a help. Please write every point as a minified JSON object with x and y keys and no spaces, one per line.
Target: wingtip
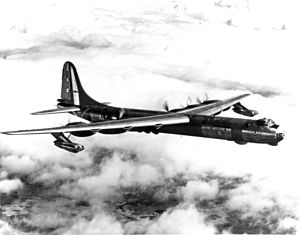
{"x":245,"y":95}
{"x":7,"y":133}
{"x":22,"y":132}
{"x":40,"y":113}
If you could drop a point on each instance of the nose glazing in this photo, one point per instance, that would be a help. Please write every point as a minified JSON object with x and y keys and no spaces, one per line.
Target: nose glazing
{"x":279,"y":136}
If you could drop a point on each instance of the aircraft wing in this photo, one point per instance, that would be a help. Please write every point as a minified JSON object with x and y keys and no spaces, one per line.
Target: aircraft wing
{"x":149,"y":121}
{"x":215,"y":107}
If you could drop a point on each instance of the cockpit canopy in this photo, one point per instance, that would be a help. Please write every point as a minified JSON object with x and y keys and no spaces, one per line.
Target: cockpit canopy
{"x":267,"y":122}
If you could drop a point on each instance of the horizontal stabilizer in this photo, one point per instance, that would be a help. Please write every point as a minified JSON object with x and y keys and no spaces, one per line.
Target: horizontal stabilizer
{"x":58,"y":110}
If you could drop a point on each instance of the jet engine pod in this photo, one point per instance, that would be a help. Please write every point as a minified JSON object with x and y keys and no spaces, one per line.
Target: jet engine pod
{"x":64,"y":143}
{"x":240,"y":109}
{"x":69,"y":146}
{"x":246,"y":112}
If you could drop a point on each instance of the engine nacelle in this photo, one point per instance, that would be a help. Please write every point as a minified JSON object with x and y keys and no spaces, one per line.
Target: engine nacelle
{"x":240,"y":142}
{"x":106,"y":113}
{"x":113,"y":131}
{"x":69,"y":146}
{"x":114,"y":113}
{"x":246,"y":112}
{"x":80,"y":133}
{"x":64,"y":143}
{"x":240,"y":109}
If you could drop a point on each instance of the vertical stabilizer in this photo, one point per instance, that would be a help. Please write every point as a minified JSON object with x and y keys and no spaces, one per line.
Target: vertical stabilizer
{"x":72,"y":92}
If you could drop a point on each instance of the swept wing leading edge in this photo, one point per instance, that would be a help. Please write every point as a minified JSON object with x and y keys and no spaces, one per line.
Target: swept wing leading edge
{"x":214,"y":108}
{"x":126,"y":124}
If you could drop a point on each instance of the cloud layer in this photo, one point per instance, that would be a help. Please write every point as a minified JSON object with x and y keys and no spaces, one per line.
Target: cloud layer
{"x":7,"y":186}
{"x":141,"y":54}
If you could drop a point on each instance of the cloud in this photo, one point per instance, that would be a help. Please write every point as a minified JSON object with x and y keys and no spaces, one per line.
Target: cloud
{"x":242,"y":198}
{"x":58,"y":44}
{"x":254,"y":201}
{"x":47,"y":220}
{"x":18,"y":164}
{"x":101,"y":224}
{"x":115,"y":172}
{"x":289,"y":223}
{"x":186,"y":220}
{"x":198,"y":190}
{"x":5,"y":228}
{"x":194,"y":76}
{"x":7,"y":186}
{"x":3,"y":174}
{"x":56,"y":172}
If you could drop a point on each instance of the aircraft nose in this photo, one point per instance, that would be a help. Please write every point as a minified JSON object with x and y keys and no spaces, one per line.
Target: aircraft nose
{"x":279,"y":136}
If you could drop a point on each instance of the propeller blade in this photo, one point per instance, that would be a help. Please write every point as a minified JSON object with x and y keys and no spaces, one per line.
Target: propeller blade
{"x":69,"y":121}
{"x":206,"y":96}
{"x":189,"y":101}
{"x":166,"y":106}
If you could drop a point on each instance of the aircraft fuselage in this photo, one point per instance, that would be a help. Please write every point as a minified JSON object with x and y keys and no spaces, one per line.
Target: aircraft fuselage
{"x":239,"y":130}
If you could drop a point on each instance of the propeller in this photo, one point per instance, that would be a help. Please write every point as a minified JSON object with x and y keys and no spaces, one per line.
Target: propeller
{"x":68,"y":122}
{"x":166,"y":106}
{"x":198,"y":99}
{"x":203,"y":99}
{"x":189,"y":102}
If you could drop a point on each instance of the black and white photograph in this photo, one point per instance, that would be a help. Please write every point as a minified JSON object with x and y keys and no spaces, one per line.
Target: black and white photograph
{"x":149,"y":117}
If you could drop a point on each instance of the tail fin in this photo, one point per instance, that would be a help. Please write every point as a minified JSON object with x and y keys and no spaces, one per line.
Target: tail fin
{"x":72,"y":92}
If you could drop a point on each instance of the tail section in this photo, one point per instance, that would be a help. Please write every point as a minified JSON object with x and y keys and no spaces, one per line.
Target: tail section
{"x":72,"y":92}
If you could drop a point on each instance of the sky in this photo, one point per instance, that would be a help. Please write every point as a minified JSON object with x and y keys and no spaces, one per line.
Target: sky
{"x":141,"y":54}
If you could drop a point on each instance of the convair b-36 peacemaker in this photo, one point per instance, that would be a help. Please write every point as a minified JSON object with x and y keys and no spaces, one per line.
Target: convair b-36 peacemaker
{"x":194,"y":120}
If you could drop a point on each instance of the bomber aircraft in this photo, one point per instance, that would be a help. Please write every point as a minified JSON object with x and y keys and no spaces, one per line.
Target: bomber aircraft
{"x":194,"y":120}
